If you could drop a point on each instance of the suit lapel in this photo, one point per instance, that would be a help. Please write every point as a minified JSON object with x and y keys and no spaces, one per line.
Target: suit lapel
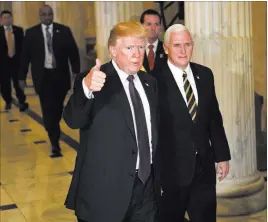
{"x":115,"y":89}
{"x":152,"y":100}
{"x":145,"y":62}
{"x":198,"y":87}
{"x":41,"y":40}
{"x":2,"y":32}
{"x":175,"y":92}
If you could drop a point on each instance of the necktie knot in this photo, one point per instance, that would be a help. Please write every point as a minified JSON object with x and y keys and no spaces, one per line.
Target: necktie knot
{"x":9,"y":28}
{"x":151,"y":47}
{"x":130,"y":78}
{"x":184,"y":75}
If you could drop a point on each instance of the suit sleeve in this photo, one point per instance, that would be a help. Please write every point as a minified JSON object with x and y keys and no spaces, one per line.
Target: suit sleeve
{"x":78,"y":109}
{"x":25,"y":56}
{"x":217,"y":134}
{"x":73,"y":52}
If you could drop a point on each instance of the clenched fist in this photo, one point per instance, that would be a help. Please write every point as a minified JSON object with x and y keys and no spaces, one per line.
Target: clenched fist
{"x":95,"y":79}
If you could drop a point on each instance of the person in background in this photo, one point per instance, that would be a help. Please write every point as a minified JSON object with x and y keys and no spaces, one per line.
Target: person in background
{"x":49,"y":47}
{"x":11,"y":40}
{"x":154,"y":53}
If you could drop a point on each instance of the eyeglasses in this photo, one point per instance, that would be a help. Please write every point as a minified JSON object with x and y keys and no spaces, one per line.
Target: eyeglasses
{"x":46,"y":14}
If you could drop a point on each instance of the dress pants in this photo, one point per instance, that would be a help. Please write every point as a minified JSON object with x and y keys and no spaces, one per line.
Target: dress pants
{"x":142,"y":206}
{"x":198,"y":199}
{"x":52,"y":97}
{"x":10,"y":72}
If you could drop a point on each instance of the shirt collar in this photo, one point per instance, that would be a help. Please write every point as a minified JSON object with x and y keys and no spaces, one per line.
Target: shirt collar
{"x":174,"y":69}
{"x":122,"y":75}
{"x":6,"y":27}
{"x":155,"y":44}
{"x":50,"y":27}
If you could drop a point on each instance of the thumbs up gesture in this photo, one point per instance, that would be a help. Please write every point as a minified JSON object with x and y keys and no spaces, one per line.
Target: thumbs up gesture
{"x":95,"y":79}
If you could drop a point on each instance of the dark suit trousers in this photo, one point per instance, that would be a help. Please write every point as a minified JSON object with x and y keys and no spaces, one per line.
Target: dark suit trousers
{"x":142,"y":206}
{"x":11,"y":73}
{"x":52,"y":97}
{"x":198,"y":199}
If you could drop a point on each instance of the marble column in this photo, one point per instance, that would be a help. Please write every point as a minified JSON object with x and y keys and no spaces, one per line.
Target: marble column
{"x":73,"y":14}
{"x":26,"y":14}
{"x":109,"y":14}
{"x":223,"y":41}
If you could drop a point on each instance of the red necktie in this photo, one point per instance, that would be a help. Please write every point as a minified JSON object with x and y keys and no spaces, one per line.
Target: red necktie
{"x":151,"y":56}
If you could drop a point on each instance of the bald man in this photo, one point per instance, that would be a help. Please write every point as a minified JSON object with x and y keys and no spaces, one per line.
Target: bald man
{"x":49,"y":47}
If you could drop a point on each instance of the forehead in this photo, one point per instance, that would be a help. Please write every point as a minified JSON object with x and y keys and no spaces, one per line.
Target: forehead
{"x":46,"y":9}
{"x":130,"y":40}
{"x":151,"y":18}
{"x":182,"y":36}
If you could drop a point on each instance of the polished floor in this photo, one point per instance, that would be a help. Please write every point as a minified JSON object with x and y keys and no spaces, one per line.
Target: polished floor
{"x":33,"y":185}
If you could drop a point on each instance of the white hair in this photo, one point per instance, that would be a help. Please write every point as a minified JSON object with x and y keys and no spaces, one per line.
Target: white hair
{"x":173,"y":28}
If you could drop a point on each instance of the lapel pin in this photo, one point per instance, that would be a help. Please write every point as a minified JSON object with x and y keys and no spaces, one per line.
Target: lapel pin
{"x":146,"y":84}
{"x":57,"y":31}
{"x":161,"y":56}
{"x":197,"y":77}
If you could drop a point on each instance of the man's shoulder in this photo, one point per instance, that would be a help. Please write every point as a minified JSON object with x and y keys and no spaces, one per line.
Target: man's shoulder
{"x":60,"y":26}
{"x":33,"y":28}
{"x":200,"y":67}
{"x":17,"y":27}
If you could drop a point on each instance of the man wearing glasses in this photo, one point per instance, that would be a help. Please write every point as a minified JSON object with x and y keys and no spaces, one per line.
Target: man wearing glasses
{"x":48,"y":47}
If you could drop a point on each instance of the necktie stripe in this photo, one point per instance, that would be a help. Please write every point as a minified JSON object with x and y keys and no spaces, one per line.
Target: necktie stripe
{"x":192,"y":105}
{"x":189,"y":100}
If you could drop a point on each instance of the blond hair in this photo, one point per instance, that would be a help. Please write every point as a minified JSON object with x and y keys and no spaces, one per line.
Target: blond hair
{"x":126,"y":29}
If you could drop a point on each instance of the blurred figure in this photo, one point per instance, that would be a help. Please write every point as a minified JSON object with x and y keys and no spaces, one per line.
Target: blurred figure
{"x":11,"y":39}
{"x":48,"y":47}
{"x":155,"y":54}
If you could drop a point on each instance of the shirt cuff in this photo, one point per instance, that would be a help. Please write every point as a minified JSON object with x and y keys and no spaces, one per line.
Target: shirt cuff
{"x":88,"y":93}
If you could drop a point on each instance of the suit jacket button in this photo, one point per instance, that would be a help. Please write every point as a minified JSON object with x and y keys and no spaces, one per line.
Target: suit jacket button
{"x":134,"y":152}
{"x":131,"y":174}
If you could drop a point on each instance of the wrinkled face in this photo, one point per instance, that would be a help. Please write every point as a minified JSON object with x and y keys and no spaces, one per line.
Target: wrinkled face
{"x":46,"y":15}
{"x":128,"y":53}
{"x":6,"y":19}
{"x":179,"y":48}
{"x":153,"y":26}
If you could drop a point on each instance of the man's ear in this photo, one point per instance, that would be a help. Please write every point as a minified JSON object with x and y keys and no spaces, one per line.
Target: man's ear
{"x":113,"y":51}
{"x":165,"y":48}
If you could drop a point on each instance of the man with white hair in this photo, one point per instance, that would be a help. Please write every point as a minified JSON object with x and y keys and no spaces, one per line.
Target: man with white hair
{"x":191,"y":134}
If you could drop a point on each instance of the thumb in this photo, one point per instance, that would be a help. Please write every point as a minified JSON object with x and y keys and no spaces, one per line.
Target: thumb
{"x":217,"y":169}
{"x":98,"y":64}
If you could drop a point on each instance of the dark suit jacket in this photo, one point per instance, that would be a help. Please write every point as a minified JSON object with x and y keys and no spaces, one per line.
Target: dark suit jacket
{"x":18,"y":40}
{"x":104,"y":172}
{"x":160,"y":57}
{"x":64,"y":48}
{"x":179,"y":136}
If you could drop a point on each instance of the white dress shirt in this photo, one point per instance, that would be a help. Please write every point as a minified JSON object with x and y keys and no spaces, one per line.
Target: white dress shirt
{"x":177,"y":74}
{"x":138,"y":85}
{"x":48,"y":55}
{"x":154,"y":49}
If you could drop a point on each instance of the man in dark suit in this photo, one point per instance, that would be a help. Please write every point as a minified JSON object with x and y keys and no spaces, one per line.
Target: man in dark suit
{"x":48,"y":47}
{"x":11,"y":39}
{"x":154,"y":54}
{"x":191,"y":134}
{"x":114,"y":106}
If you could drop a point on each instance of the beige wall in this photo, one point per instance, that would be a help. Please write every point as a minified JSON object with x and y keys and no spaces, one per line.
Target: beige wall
{"x":259,"y":36}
